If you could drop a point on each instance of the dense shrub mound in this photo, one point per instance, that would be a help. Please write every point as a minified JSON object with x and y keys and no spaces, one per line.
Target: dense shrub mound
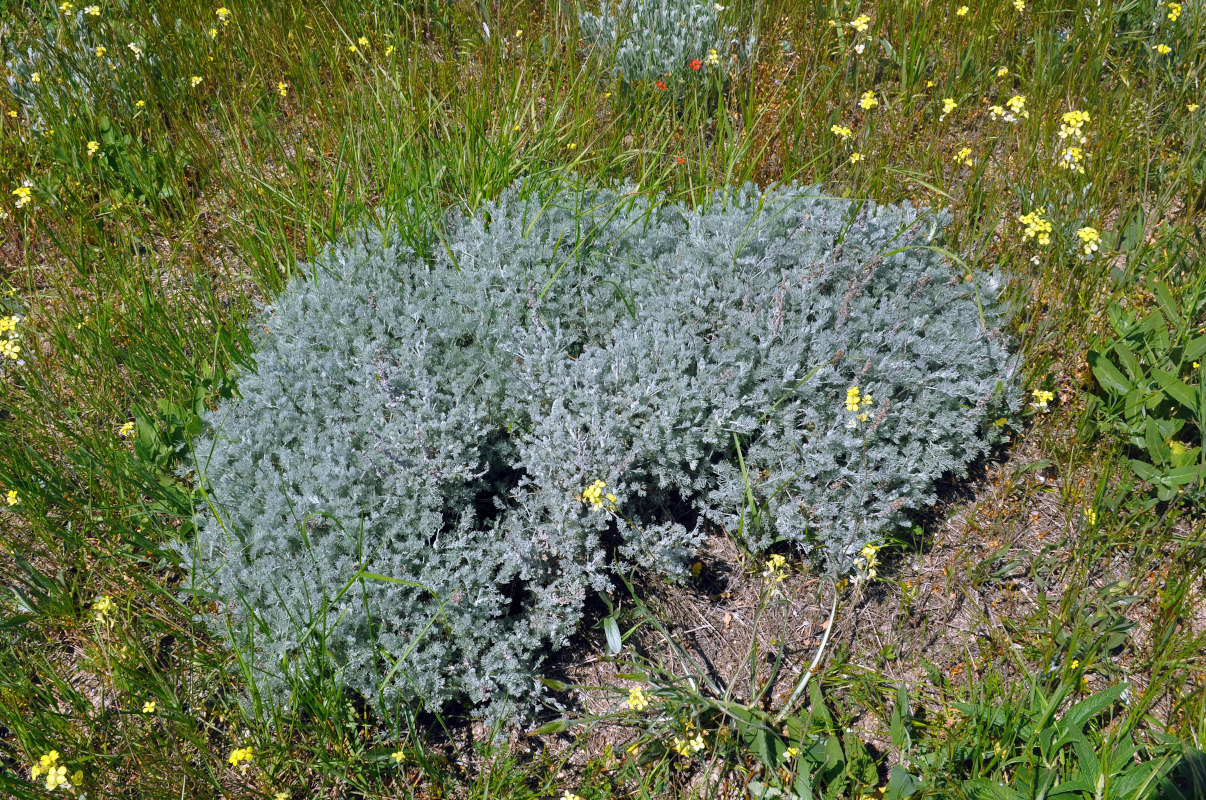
{"x":436,"y":422}
{"x":654,"y":39}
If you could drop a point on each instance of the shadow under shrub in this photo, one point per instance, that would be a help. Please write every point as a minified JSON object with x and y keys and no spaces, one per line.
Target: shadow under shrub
{"x":400,"y":485}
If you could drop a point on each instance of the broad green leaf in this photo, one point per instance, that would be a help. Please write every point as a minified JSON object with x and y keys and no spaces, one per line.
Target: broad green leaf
{"x":1108,"y":375}
{"x":901,"y":784}
{"x":1079,"y":714}
{"x":1126,"y":357}
{"x":1176,"y":389}
{"x":614,"y":643}
{"x":1195,"y":349}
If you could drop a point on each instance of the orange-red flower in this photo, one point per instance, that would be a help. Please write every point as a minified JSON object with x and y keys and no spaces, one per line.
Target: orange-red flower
{"x":661,"y":85}
{"x":696,"y":64}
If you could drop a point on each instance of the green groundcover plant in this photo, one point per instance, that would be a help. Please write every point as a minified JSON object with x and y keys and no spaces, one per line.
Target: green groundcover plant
{"x":439,"y":458}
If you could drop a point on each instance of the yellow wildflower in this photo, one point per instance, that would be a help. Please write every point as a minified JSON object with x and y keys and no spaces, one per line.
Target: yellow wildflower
{"x":1163,"y":49}
{"x":1020,"y":5}
{"x":593,"y":494}
{"x":22,"y":193}
{"x":1041,"y":398}
{"x":36,"y":77}
{"x":103,"y":606}
{"x":194,"y":81}
{"x":282,"y":88}
{"x":964,"y":156}
{"x":568,"y":795}
{"x":638,"y":699}
{"x":861,"y":23}
{"x":398,"y":756}
{"x":841,"y":131}
{"x":13,"y":499}
{"x":149,"y":707}
{"x":856,"y":157}
{"x":1192,"y":107}
{"x":948,"y":105}
{"x":92,"y":11}
{"x":775,"y":567}
{"x":1072,"y":125}
{"x":962,"y":11}
{"x":1089,"y":239}
{"x":66,"y":8}
{"x":363,"y":41}
{"x":1174,"y":12}
{"x":92,"y":148}
{"x":1071,"y":159}
{"x":223,"y":15}
{"x":100,"y":52}
{"x":55,"y":777}
{"x":241,"y":757}
{"x":868,"y":101}
{"x":1036,"y":227}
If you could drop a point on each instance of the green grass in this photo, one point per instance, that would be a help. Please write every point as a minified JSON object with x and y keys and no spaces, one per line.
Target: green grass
{"x":137,"y":270}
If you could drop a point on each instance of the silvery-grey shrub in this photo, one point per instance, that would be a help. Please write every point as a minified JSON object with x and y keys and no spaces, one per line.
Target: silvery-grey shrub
{"x":402,"y":477}
{"x":653,"y":39}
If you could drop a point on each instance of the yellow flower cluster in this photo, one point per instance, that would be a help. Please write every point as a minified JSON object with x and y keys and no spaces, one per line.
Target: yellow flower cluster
{"x":1163,"y":49}
{"x":1071,"y":160}
{"x":856,"y":157}
{"x":149,"y":707}
{"x":776,"y":566}
{"x":1174,"y":12}
{"x":194,"y":81}
{"x":223,"y":15}
{"x":9,"y":347}
{"x":22,"y":194}
{"x":841,"y":131}
{"x":962,"y":11}
{"x":948,"y":105}
{"x":93,"y":147}
{"x":964,"y":156}
{"x":282,"y":88}
{"x":1036,"y":227}
{"x":1072,"y":125}
{"x":861,"y":23}
{"x":1041,"y":398}
{"x":1020,"y":5}
{"x":241,"y":757}
{"x":1017,"y":104}
{"x":48,"y":765}
{"x":868,"y":101}
{"x":568,"y":795}
{"x":102,"y":606}
{"x":1090,"y":516}
{"x":1089,"y":239}
{"x":856,"y":402}
{"x":866,"y":563}
{"x":398,"y":756}
{"x":593,"y":494}
{"x":638,"y":699}
{"x":126,"y":430}
{"x":688,"y":746}
{"x":713,"y":58}
{"x":13,"y":499}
